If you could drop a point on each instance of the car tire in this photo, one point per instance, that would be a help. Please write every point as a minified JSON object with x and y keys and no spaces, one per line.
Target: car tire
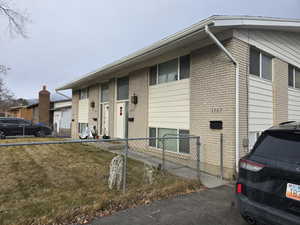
{"x":2,"y":134}
{"x":40,"y":133}
{"x":249,"y":220}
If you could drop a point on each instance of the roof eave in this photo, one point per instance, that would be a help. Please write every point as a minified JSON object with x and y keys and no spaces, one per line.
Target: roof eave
{"x":218,"y":21}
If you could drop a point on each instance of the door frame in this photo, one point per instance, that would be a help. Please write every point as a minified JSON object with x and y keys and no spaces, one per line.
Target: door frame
{"x":101,"y":116}
{"x":126,"y":101}
{"x":126,"y":104}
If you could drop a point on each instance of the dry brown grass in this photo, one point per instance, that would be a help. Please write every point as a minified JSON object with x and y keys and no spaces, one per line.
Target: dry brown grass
{"x":61,"y":184}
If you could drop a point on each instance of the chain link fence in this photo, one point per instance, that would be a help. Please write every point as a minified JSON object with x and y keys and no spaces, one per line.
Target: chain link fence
{"x":157,"y":154}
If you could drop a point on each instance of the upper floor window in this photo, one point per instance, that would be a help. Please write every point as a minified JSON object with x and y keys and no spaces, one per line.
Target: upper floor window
{"x":123,"y":88}
{"x":294,"y":77}
{"x":172,"y":70}
{"x":83,"y":93}
{"x":104,"y":93}
{"x":260,"y":64}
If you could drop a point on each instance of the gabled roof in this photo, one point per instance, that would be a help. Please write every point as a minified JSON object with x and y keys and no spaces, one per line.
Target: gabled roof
{"x":217,"y":23}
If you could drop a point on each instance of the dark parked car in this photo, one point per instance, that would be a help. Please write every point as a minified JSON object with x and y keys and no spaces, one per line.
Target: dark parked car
{"x":268,"y":187}
{"x":17,"y":126}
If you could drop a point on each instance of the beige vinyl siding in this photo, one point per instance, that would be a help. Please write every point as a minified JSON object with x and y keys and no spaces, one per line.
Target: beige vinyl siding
{"x":169,"y":105}
{"x":83,"y":111}
{"x":293,"y":104}
{"x":260,"y":104}
{"x":283,"y":45}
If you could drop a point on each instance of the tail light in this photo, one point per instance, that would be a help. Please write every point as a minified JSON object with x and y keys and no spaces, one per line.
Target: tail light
{"x":239,"y":188}
{"x":250,"y":165}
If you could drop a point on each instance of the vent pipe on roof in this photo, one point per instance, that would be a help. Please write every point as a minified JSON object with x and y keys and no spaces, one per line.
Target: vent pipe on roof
{"x":237,"y":87}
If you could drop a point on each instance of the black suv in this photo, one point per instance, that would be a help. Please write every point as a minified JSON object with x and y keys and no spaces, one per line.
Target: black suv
{"x":17,"y":126}
{"x":268,"y":187}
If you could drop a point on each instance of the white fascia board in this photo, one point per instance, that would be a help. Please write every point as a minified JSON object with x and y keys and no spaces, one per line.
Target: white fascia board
{"x":258,"y":23}
{"x":218,"y":21}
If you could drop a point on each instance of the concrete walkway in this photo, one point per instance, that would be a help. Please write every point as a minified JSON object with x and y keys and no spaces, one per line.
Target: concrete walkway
{"x":174,"y":168}
{"x":208,"y":207}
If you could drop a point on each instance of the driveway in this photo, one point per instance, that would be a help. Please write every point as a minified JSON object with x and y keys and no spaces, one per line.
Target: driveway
{"x":208,"y":207}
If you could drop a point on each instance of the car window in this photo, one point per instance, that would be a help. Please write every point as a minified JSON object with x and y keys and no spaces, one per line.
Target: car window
{"x":281,"y":146}
{"x":11,"y":121}
{"x":23,"y":121}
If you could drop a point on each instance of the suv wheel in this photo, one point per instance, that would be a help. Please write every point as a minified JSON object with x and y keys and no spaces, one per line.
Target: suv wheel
{"x":40,"y":133}
{"x":2,"y":135}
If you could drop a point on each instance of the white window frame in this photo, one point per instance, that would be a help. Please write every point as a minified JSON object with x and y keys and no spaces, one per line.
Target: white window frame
{"x":116,"y":91}
{"x":101,"y":85}
{"x":156,"y":142}
{"x":178,"y":70}
{"x":294,"y":78}
{"x":101,"y":107}
{"x":260,"y":66}
{"x":79,"y":127}
{"x":81,"y":97}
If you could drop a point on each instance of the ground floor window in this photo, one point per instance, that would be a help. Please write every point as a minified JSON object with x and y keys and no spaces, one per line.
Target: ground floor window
{"x":82,"y":127}
{"x":184,"y":144}
{"x":152,"y":134}
{"x":253,"y":136}
{"x":173,"y":145}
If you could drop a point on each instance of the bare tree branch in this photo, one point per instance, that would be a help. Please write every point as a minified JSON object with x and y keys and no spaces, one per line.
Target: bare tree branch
{"x":16,"y":25}
{"x":4,"y":69}
{"x":16,"y":20}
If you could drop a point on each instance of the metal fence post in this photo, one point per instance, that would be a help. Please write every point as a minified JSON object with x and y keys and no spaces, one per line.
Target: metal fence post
{"x":125,"y":166}
{"x":198,"y":156}
{"x":163,"y":155}
{"x":23,"y":130}
{"x":221,"y":156}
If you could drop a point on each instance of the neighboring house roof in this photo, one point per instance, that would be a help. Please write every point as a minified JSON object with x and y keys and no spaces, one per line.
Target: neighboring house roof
{"x":54,"y":98}
{"x":217,"y":23}
{"x":59,"y":105}
{"x":16,"y":107}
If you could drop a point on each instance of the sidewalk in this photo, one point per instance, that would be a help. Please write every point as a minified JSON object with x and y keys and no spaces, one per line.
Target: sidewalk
{"x":174,"y":168}
{"x":208,"y":207}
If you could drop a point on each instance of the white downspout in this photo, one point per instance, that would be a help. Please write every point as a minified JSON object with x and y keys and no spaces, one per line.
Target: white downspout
{"x":237,"y":104}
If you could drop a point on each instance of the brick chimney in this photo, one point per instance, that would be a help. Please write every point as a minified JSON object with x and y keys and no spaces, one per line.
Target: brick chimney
{"x":44,"y":106}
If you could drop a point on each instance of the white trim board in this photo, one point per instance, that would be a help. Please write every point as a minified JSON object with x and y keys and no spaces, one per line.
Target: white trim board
{"x":283,"y":45}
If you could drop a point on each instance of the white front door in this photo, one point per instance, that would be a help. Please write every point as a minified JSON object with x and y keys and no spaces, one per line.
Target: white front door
{"x":121,"y":119}
{"x":105,"y":119}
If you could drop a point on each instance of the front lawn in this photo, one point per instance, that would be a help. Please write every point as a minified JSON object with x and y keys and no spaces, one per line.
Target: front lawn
{"x":63,"y":184}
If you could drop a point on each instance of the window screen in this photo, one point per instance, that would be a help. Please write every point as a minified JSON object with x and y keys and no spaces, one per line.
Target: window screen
{"x":152,"y":134}
{"x":291,"y":76}
{"x":168,"y":71}
{"x":297,"y":78}
{"x":122,"y":88}
{"x":170,"y":144}
{"x":254,"y":62}
{"x":104,"y":93}
{"x":282,"y":146}
{"x":184,"y":144}
{"x":266,"y":67}
{"x":153,"y":75}
{"x":184,"y":67}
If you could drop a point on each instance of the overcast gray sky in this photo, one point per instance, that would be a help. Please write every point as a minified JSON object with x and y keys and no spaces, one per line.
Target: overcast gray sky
{"x":70,"y":38}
